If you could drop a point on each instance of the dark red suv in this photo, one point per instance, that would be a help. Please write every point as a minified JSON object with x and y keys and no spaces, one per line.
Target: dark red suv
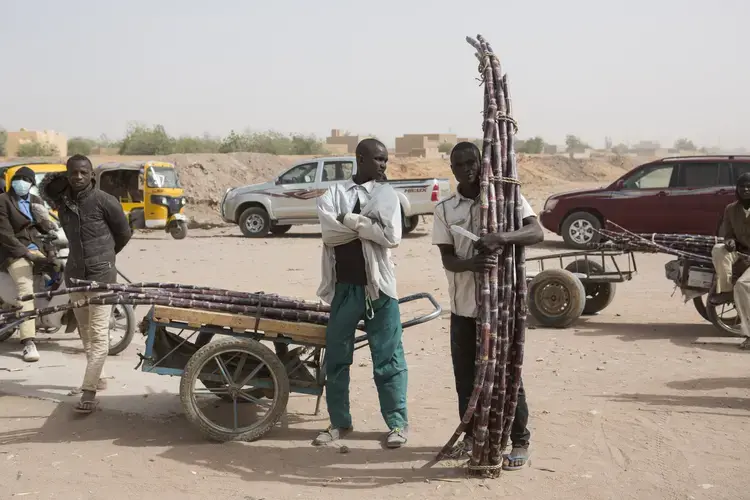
{"x":684,"y":195}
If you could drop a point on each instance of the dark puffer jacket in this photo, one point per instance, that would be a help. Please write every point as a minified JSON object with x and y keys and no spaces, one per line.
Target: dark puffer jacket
{"x":95,"y":225}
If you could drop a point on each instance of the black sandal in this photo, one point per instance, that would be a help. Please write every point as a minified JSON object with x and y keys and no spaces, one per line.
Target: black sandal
{"x":85,"y":407}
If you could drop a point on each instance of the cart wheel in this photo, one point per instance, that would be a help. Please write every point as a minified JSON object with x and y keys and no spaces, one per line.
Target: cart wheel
{"x":598,"y":295}
{"x":701,"y":307}
{"x":240,"y":364}
{"x":724,"y":317}
{"x":556,"y":298}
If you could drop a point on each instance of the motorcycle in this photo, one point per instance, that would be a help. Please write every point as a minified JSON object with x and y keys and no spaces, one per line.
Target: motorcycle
{"x":122,"y":322}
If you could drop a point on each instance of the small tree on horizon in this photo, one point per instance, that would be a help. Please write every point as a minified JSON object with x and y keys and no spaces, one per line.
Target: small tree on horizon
{"x":445,"y":147}
{"x":684,"y":144}
{"x":35,"y":148}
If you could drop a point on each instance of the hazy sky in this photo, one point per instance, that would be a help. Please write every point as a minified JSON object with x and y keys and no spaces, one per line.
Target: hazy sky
{"x":635,"y":69}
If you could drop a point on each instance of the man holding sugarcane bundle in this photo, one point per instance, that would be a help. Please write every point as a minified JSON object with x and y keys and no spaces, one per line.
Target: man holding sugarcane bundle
{"x":462,"y":258}
{"x":735,"y":229}
{"x":361,"y":221}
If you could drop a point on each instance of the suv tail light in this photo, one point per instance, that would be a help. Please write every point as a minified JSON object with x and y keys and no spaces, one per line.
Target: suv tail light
{"x":435,"y":192}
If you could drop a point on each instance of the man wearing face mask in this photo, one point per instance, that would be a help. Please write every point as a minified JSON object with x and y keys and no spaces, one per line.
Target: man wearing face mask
{"x":19,"y":247}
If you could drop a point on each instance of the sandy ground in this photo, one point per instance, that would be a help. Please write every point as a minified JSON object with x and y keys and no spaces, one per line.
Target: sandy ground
{"x":643,"y":401}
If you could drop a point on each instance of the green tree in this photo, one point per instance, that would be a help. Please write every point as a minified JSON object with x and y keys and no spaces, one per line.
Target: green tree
{"x":533,"y":146}
{"x":684,"y":144}
{"x":36,"y":148}
{"x":306,"y":145}
{"x":205,"y":144}
{"x":234,"y":143}
{"x":142,"y":140}
{"x":445,"y":147}
{"x":620,"y":149}
{"x":575,"y":143}
{"x":80,"y":146}
{"x":3,"y":140}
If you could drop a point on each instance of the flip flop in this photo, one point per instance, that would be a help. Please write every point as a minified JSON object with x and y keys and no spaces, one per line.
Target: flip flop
{"x":510,"y":457}
{"x":85,"y":407}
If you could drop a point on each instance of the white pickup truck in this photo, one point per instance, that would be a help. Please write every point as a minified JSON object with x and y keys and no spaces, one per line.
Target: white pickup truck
{"x":289,"y":200}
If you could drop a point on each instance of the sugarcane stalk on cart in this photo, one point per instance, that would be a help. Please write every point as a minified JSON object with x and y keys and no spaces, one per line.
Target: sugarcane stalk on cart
{"x":693,"y":247}
{"x":187,"y":292}
{"x":301,"y":316}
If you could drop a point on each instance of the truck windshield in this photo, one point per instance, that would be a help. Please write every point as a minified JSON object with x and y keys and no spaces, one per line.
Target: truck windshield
{"x":162,"y":177}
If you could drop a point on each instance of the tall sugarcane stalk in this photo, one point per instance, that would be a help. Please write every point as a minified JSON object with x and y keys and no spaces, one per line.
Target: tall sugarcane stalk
{"x":520,"y":289}
{"x":484,"y":296}
{"x":489,"y":281}
{"x":502,"y":308}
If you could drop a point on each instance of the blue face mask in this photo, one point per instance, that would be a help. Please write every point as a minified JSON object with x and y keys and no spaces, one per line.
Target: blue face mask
{"x":21,"y":187}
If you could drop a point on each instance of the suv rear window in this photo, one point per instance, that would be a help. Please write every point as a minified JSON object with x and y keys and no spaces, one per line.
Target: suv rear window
{"x":703,"y":174}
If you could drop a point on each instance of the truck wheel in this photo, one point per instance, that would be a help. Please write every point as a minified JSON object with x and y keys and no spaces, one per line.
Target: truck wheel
{"x":598,"y":295}
{"x":255,"y":223}
{"x":556,"y":298}
{"x":283,"y":229}
{"x":409,"y":224}
{"x":579,"y":230}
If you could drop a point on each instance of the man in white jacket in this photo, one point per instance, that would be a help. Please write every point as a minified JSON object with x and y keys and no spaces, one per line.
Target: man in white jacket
{"x":361,"y":221}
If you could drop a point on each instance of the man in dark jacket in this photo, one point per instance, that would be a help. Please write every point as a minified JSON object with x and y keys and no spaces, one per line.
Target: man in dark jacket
{"x":97,"y":229}
{"x":19,"y":247}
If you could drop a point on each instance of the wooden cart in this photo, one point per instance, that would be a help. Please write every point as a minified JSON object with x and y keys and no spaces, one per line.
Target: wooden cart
{"x":236,"y":375}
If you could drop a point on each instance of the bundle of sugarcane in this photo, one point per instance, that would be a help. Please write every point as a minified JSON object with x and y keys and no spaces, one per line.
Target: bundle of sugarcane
{"x":501,"y":322}
{"x":694,"y":247}
{"x":182,"y":296}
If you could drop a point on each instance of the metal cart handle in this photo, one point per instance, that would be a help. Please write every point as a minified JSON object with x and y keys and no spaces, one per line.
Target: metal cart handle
{"x":435,"y":313}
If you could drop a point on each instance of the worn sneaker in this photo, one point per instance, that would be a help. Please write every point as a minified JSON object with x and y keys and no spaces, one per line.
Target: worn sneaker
{"x":30,"y":354}
{"x":330,"y":435}
{"x":397,"y":437}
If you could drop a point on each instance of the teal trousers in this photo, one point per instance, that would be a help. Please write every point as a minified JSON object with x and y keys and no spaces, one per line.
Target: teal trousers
{"x":384,"y":333}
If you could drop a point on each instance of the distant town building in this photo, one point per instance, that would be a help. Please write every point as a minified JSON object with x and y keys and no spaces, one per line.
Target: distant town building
{"x":339,"y":143}
{"x":422,"y":145}
{"x":16,"y":139}
{"x":649,"y":148}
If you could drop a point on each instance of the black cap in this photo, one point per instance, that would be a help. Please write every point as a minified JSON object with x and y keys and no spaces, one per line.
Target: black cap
{"x":26,"y":173}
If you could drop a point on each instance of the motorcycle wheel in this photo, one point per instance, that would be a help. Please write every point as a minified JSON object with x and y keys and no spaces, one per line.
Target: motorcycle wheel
{"x":5,"y":336}
{"x":119,"y":314}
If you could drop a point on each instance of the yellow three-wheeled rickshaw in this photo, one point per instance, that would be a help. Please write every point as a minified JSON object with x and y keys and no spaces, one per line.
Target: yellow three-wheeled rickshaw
{"x":149,"y":192}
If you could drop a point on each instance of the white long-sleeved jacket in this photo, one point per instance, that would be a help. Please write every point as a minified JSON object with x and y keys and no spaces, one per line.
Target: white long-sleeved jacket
{"x":378,"y":226}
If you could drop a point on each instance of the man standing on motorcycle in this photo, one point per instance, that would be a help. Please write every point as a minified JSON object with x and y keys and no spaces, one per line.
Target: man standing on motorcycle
{"x":19,"y":247}
{"x":97,"y":229}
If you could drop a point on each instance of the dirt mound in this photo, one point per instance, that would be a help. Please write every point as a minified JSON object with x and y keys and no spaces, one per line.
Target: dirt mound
{"x":535,"y":170}
{"x":205,"y":177}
